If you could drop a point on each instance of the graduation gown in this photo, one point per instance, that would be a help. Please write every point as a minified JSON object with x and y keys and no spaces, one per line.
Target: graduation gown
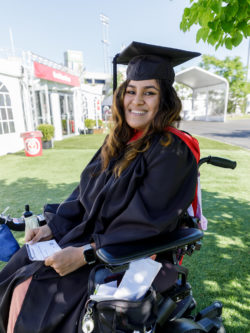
{"x":145,"y":201}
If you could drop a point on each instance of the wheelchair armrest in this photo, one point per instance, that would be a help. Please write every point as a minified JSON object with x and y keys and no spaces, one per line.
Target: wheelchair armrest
{"x":122,"y":254}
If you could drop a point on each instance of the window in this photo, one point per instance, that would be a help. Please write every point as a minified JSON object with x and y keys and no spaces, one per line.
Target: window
{"x":38,"y":108}
{"x":67,"y":114}
{"x":6,"y":114}
{"x":84,"y":107}
{"x":50,"y":108}
{"x":43,"y":108}
{"x":98,"y":81}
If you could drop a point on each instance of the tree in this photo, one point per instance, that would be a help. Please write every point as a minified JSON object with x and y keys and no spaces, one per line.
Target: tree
{"x":183,"y":90}
{"x":233,"y":70}
{"x":222,"y":22}
{"x":120,"y":79}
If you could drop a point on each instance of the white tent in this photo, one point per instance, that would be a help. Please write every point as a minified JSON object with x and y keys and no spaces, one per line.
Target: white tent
{"x":209,"y":95}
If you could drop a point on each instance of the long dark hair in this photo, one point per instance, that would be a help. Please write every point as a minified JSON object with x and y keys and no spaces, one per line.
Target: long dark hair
{"x":120,"y":132}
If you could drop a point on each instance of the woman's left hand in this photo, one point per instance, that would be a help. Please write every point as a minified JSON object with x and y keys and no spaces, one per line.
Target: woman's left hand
{"x":67,"y":260}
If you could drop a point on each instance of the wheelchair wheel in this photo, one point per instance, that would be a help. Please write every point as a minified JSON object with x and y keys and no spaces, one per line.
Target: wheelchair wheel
{"x":192,"y":330}
{"x":178,"y":329}
{"x":220,"y":330}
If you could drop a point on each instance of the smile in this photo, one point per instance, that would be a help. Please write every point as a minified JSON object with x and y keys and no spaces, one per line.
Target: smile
{"x":138,"y":112}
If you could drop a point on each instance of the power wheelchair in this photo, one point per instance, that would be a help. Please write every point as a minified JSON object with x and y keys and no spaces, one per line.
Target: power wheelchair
{"x":171,"y":304}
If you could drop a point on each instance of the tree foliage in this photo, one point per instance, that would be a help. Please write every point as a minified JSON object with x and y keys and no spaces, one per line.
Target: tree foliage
{"x":222,"y":22}
{"x":233,"y":70}
{"x":120,"y":79}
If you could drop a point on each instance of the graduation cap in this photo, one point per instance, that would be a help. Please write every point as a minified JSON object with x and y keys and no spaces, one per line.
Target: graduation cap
{"x":147,"y":62}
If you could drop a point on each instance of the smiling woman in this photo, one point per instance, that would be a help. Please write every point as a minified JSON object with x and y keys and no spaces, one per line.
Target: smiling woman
{"x":137,"y":186}
{"x":141,"y":103}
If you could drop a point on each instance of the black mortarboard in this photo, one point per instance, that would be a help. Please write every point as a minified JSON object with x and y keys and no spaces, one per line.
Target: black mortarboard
{"x":147,"y":62}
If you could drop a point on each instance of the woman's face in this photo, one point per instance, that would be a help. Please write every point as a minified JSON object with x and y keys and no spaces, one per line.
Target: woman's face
{"x":141,"y":103}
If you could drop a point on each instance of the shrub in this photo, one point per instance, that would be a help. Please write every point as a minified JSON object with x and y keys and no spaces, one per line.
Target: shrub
{"x":100,"y":123}
{"x":64,"y":124}
{"x":89,"y":123}
{"x":47,"y":131}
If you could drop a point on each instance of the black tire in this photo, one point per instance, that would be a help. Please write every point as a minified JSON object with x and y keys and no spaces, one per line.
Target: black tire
{"x":180,"y":326}
{"x":189,"y":331}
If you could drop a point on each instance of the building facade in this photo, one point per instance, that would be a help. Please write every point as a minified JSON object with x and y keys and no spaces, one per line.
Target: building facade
{"x":12,"y":117}
{"x":34,"y":91}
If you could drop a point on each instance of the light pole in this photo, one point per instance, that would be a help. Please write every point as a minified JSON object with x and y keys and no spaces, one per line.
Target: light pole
{"x":105,"y":40}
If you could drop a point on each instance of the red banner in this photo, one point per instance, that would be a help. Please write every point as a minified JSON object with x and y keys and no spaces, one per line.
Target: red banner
{"x":52,"y":74}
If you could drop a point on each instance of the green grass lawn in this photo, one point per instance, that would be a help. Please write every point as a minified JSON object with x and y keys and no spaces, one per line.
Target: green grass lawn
{"x":236,"y":116}
{"x":218,"y":272}
{"x":221,"y":269}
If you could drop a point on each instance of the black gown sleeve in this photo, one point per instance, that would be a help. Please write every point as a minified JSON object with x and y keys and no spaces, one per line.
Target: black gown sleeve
{"x":64,"y":217}
{"x":165,"y":192}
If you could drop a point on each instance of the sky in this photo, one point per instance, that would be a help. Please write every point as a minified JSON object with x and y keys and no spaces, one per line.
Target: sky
{"x":50,"y":27}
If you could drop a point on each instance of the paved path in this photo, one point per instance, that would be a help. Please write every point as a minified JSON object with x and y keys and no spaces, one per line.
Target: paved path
{"x":235,"y":132}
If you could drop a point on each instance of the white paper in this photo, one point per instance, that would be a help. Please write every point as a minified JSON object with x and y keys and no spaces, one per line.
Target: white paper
{"x":135,"y":282}
{"x":41,"y":250}
{"x":137,"y":279}
{"x":104,"y":291}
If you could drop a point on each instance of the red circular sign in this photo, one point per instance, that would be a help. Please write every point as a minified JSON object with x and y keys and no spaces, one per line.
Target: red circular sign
{"x":32,"y":146}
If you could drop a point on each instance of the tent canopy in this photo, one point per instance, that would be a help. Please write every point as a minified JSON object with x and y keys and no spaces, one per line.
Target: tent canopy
{"x":196,"y":77}
{"x":210,"y":94}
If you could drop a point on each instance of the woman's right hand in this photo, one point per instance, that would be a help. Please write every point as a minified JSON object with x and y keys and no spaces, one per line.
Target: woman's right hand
{"x":39,"y":234}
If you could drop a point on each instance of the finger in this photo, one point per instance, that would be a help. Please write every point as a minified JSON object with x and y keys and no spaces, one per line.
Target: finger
{"x":58,"y":269}
{"x":30,"y":234}
{"x":61,"y":271}
{"x":48,"y":261}
{"x":36,"y":238}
